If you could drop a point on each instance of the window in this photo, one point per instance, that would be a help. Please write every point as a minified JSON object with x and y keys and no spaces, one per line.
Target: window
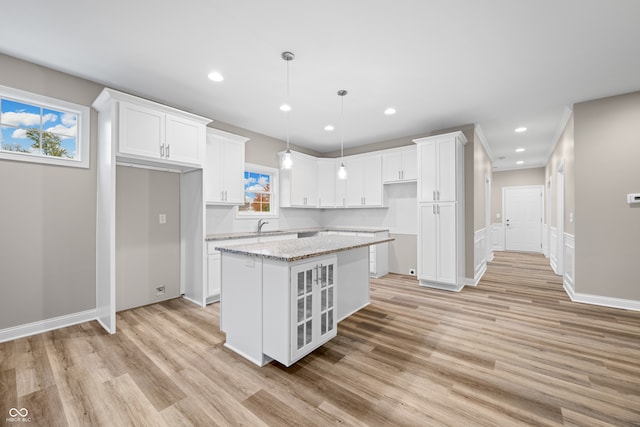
{"x":40,"y":129}
{"x":260,"y":198}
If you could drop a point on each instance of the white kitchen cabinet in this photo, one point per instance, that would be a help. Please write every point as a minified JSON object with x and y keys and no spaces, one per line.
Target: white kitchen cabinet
{"x":441,"y":243}
{"x":439,"y":173}
{"x":438,"y":261}
{"x":309,"y":301}
{"x":399,"y":165}
{"x":224,"y":168}
{"x":327,"y":175}
{"x":364,"y":181}
{"x":147,"y":130}
{"x":136,"y":132}
{"x":299,"y":185}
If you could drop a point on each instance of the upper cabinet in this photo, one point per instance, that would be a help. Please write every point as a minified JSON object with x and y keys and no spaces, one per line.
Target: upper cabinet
{"x":224,"y":168}
{"x":399,"y":165}
{"x":327,"y":173}
{"x":364,"y":181}
{"x":439,"y":172}
{"x":154,"y":134}
{"x":299,"y":185}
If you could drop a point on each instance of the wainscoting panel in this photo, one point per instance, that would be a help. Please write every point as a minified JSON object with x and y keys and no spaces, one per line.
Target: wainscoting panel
{"x":479,"y":256}
{"x":553,"y":248}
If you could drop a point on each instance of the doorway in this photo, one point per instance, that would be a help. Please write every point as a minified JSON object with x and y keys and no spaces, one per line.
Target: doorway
{"x":522,"y":213}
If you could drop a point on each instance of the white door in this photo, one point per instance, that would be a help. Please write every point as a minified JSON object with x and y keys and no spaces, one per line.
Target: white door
{"x":523,"y":218}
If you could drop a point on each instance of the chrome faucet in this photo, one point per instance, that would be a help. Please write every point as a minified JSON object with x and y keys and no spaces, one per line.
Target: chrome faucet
{"x":261,"y":222}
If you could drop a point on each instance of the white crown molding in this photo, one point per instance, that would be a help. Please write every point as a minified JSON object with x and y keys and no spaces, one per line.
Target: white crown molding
{"x":483,"y":141}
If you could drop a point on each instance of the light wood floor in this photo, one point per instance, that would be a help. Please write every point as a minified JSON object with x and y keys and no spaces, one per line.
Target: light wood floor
{"x":513,"y":351}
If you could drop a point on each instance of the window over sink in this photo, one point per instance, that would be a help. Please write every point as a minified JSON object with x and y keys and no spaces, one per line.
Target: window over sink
{"x":260,"y":192}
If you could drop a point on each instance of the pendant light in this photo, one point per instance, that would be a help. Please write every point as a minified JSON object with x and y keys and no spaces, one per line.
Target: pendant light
{"x":342,"y":171}
{"x":287,"y":161}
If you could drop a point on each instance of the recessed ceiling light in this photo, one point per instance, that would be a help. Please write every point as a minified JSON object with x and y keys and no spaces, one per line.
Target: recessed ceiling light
{"x":285,"y":107}
{"x":520,"y":162}
{"x":215,"y":76}
{"x":520,"y":129}
{"x":390,"y":111}
{"x":519,"y":150}
{"x":329,"y":128}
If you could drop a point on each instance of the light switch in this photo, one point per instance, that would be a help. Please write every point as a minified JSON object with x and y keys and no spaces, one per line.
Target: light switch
{"x":497,"y":216}
{"x":570,"y":216}
{"x":163,"y":218}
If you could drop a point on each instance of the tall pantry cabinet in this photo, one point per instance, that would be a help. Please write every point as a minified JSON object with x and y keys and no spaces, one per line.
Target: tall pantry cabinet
{"x":441,"y":246}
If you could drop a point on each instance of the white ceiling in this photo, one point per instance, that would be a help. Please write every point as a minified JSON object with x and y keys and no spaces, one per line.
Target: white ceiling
{"x":497,"y":63}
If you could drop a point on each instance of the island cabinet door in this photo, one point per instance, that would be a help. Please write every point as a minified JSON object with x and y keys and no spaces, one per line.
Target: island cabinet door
{"x":313,"y":287}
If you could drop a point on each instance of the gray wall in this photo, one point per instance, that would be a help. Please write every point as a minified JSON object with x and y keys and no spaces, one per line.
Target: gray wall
{"x":48,"y":216}
{"x":512,"y":178}
{"x":607,"y":150}
{"x":147,"y":252}
{"x":563,"y":152}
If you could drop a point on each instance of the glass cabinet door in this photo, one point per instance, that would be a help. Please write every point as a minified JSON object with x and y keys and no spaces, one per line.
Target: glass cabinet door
{"x":313,"y":292}
{"x":327,"y":298}
{"x":304,"y":302}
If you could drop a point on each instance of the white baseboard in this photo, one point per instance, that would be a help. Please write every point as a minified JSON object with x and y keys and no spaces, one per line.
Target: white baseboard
{"x":474,"y":282}
{"x":442,"y":286}
{"x":626,"y":304}
{"x":41,"y":326}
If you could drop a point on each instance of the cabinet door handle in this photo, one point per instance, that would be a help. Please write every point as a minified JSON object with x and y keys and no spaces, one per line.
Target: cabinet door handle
{"x":434,"y":194}
{"x":162,"y":151}
{"x":434,"y":209}
{"x":438,"y":209}
{"x":438,"y":194}
{"x":168,"y":146}
{"x":317,"y":276}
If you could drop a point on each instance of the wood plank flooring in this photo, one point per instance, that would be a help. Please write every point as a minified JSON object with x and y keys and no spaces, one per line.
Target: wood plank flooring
{"x":512,"y":351}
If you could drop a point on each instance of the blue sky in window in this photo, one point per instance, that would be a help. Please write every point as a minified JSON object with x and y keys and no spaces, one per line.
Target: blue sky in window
{"x":254,"y":182}
{"x":17,"y":117}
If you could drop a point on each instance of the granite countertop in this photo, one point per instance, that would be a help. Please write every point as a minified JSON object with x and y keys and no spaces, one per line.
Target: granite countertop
{"x":248,"y":234}
{"x":308,"y":247}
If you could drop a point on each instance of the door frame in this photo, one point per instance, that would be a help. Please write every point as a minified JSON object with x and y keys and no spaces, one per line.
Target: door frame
{"x":560,"y":218}
{"x":504,"y":210}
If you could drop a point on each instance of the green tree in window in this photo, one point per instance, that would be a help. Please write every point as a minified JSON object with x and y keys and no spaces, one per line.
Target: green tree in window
{"x":14,"y":147}
{"x":51,"y":144}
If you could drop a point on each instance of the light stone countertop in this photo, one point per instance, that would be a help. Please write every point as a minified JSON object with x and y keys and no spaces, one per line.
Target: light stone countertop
{"x":308,"y":247}
{"x":247,"y":234}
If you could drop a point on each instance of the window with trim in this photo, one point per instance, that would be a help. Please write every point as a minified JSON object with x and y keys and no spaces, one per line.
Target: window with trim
{"x":36,"y":128}
{"x":260,"y":198}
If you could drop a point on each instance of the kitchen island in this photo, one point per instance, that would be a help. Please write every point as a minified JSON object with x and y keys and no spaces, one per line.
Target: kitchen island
{"x":281,"y":300}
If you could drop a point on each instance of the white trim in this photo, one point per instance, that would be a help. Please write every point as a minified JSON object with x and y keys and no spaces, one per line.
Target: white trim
{"x":553,"y":249}
{"x":479,"y":257}
{"x":625,"y":304}
{"x":566,"y":115}
{"x":442,"y":286}
{"x":20,"y":331}
{"x":568,"y":278}
{"x":83,"y":136}
{"x":483,"y":141}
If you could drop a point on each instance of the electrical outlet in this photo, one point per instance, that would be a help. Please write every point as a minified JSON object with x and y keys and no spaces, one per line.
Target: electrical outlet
{"x":160,"y":290}
{"x":412,"y":272}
